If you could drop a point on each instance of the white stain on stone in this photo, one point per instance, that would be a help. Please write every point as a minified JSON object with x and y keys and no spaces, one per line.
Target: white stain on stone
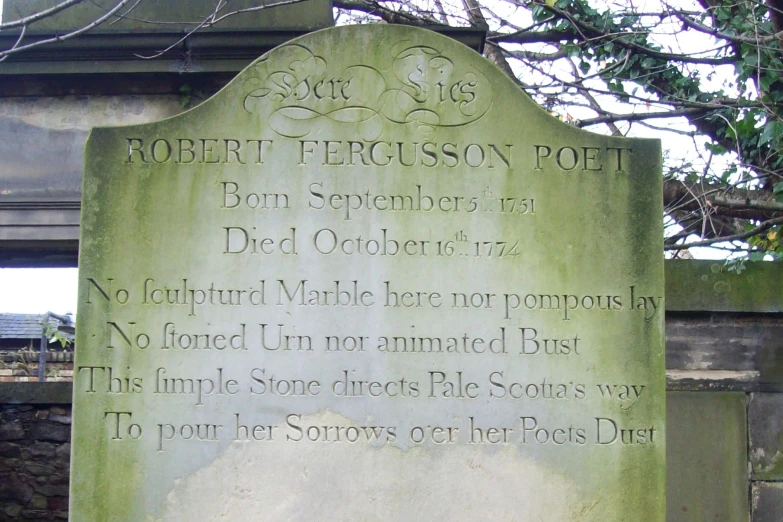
{"x":84,"y":112}
{"x":293,"y":481}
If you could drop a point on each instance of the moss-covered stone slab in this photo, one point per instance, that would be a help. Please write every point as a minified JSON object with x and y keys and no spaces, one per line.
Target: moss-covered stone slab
{"x":369,"y":280}
{"x":765,"y":417}
{"x":706,"y":452}
{"x":700,"y":286}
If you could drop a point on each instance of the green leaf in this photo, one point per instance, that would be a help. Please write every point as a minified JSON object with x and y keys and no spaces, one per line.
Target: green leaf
{"x":715,"y":148}
{"x":773,"y":131}
{"x":648,"y":62}
{"x":777,"y":190}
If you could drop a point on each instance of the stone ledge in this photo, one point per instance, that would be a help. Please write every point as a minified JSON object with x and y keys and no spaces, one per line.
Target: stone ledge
{"x":96,"y":54}
{"x":36,"y":392}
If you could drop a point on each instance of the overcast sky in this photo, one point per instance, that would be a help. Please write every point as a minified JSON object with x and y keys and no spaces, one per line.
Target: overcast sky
{"x":38,"y":290}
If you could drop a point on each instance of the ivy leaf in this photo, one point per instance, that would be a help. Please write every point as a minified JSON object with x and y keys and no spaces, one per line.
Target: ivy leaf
{"x":715,"y":148}
{"x":777,"y":190}
{"x":648,"y":62}
{"x":773,"y":130}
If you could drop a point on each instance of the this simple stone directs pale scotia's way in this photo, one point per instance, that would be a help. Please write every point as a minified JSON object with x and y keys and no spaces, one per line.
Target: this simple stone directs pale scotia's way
{"x":369,"y":280}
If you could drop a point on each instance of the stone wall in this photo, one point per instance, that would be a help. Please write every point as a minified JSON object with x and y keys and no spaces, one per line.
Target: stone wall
{"x":724,"y":360}
{"x":35,"y":433}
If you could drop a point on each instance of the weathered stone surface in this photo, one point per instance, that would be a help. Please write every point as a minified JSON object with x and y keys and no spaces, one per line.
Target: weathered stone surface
{"x":9,"y":450}
{"x":13,"y":510}
{"x":765,"y":420}
{"x":711,"y":351}
{"x":21,"y":393}
{"x":706,"y":453}
{"x":33,"y":474}
{"x":63,"y":451}
{"x":42,"y":450}
{"x":38,"y":469}
{"x":9,"y":464}
{"x":14,"y":489}
{"x":62,"y":419}
{"x":345,"y":261}
{"x":41,"y":192}
{"x":11,"y":431}
{"x":39,"y":502}
{"x":51,"y":431}
{"x":153,"y":15}
{"x":709,"y":286}
{"x":767,"y":502}
{"x":52,"y":491}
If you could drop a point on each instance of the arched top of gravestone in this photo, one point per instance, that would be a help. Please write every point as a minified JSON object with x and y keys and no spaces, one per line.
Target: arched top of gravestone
{"x":380,"y":215}
{"x":374,"y":82}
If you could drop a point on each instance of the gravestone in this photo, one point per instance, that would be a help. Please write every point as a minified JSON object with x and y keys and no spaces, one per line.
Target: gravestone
{"x":369,"y":280}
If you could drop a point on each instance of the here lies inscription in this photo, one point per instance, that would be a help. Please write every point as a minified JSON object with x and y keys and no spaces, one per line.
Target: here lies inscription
{"x":369,"y":280}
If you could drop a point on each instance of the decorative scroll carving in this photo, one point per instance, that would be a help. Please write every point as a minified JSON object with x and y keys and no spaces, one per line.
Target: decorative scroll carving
{"x":422,"y":87}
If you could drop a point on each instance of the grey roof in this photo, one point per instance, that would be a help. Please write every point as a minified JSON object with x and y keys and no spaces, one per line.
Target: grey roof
{"x":23,"y":326}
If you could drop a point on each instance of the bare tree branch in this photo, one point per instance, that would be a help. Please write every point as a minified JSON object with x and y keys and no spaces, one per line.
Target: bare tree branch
{"x":46,"y":13}
{"x":67,"y":36}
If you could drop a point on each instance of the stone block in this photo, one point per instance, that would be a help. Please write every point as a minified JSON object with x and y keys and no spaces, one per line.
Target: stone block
{"x":63,"y":451}
{"x":706,"y":452}
{"x":767,"y":502}
{"x":38,"y":469}
{"x":9,"y":450}
{"x":50,"y":431}
{"x":14,"y":489}
{"x":42,"y":450}
{"x":39,"y":502}
{"x":7,"y":464}
{"x":52,"y":491}
{"x":12,"y":510}
{"x":765,"y":419}
{"x":26,"y":393}
{"x":11,"y":431}
{"x":62,"y":419}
